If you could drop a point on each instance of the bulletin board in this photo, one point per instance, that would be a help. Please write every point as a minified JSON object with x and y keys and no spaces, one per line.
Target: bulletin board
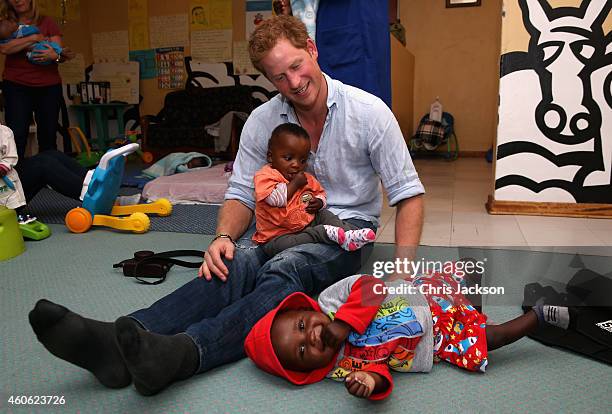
{"x":123,"y":78}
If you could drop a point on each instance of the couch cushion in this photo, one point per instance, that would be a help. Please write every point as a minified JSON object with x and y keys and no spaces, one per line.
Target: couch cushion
{"x":197,"y":107}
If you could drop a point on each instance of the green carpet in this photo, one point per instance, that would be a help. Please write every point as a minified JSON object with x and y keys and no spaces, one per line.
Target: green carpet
{"x":76,"y":271}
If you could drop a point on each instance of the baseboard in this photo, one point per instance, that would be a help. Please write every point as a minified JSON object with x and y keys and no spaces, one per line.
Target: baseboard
{"x":472,"y":154}
{"x":529,"y":208}
{"x":441,"y":152}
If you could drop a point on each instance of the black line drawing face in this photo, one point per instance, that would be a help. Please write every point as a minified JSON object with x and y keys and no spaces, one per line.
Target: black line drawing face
{"x":568,"y":49}
{"x":564,"y":83}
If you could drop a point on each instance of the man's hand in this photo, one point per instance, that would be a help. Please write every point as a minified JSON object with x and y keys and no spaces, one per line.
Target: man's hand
{"x":314,"y":205}
{"x":360,"y":383}
{"x":213,"y":263}
{"x":335,"y":333}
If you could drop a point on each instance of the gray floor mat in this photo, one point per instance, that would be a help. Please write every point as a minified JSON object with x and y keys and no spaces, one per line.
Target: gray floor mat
{"x":50,"y":207}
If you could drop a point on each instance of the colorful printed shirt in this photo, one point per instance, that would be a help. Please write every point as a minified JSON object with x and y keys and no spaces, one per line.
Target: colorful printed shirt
{"x":396,"y":335}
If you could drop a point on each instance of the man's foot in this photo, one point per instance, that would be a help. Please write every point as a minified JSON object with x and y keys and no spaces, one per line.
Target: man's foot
{"x":558,"y":316}
{"x":356,"y":239}
{"x":155,"y":361}
{"x":84,"y":342}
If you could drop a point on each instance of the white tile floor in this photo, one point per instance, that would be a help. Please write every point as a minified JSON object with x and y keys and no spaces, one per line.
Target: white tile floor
{"x":455,"y":214}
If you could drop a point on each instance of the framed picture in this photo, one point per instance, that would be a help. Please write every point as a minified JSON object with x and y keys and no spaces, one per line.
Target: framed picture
{"x":462,"y":3}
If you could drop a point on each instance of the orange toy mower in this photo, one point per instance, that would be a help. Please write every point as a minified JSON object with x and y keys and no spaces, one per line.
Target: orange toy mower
{"x":99,"y":207}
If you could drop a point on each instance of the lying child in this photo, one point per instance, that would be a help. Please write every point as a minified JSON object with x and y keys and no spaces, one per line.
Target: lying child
{"x":177,"y":162}
{"x":289,"y":203}
{"x":367,"y":332}
{"x":10,"y":30}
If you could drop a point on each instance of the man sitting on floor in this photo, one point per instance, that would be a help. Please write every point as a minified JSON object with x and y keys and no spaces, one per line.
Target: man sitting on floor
{"x":356,"y":145}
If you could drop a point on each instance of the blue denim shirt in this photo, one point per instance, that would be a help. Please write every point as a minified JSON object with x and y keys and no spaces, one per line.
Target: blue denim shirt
{"x":360,"y":147}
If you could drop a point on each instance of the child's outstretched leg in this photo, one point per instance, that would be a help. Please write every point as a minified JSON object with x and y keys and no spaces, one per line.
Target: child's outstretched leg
{"x":155,"y":361}
{"x":511,"y":331}
{"x":350,"y":240}
{"x":84,"y":342}
{"x":506,"y":333}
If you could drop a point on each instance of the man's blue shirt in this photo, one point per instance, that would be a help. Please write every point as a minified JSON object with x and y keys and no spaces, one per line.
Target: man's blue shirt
{"x":360,"y":147}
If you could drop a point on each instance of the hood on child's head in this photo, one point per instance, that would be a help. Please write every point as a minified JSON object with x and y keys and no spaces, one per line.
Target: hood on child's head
{"x":258,"y":344}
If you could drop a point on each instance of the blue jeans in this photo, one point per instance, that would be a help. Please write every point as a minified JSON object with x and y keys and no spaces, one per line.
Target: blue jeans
{"x":218,"y":316}
{"x":20,"y":101}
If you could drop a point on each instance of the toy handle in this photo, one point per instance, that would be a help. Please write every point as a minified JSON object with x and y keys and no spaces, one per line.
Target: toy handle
{"x":125,"y":150}
{"x":8,"y":182}
{"x":80,"y":134}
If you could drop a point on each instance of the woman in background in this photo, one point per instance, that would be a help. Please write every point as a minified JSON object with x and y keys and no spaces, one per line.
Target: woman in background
{"x":29,"y":87}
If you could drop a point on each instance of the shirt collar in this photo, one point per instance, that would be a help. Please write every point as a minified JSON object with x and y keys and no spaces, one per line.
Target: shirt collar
{"x":332,"y":94}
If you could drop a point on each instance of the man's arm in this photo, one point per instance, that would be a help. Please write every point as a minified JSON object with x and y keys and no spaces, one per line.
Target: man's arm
{"x":234,"y":220}
{"x":237,"y":211}
{"x":408,"y":227}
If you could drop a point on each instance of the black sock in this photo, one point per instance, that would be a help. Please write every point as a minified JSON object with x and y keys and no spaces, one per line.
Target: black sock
{"x":155,"y":361}
{"x":84,"y":342}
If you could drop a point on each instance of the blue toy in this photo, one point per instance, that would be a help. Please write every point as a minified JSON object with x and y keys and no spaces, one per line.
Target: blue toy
{"x":8,"y":182}
{"x":103,"y":188}
{"x":41,"y":47}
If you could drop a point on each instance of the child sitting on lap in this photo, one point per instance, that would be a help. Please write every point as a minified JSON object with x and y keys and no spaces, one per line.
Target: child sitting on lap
{"x":360,"y":328}
{"x":290,"y":203}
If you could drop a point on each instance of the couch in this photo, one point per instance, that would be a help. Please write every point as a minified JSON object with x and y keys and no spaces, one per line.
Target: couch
{"x":180,"y":125}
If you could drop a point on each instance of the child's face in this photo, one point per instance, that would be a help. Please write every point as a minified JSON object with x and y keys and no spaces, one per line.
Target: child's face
{"x":196,"y":162}
{"x":297,"y":342}
{"x":289,"y":155}
{"x":7,"y":27}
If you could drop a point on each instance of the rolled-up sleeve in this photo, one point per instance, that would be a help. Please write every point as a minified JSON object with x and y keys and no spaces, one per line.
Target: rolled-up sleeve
{"x":250,"y":158}
{"x":390,"y":156}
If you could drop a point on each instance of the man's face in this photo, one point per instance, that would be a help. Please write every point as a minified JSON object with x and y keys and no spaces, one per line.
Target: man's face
{"x":296,"y":339}
{"x":289,"y":155}
{"x":296,"y":74}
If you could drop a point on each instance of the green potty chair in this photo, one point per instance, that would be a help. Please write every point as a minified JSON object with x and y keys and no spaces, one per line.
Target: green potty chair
{"x":11,"y":240}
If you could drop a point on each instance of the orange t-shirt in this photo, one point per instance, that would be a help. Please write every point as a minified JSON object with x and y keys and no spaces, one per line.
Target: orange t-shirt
{"x":276,"y":221}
